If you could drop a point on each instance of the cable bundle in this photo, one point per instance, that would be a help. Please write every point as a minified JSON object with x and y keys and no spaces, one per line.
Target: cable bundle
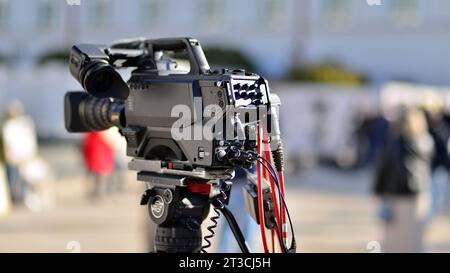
{"x":265,"y":168}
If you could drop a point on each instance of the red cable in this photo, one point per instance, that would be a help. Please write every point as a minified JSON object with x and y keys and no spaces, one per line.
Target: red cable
{"x":267,"y":177}
{"x":275,"y":199}
{"x":260,"y":194}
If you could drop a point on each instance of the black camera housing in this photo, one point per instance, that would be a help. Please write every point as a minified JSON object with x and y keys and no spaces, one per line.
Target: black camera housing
{"x":143,"y":106}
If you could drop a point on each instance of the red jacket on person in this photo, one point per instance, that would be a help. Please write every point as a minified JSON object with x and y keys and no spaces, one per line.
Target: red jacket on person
{"x":98,"y":154}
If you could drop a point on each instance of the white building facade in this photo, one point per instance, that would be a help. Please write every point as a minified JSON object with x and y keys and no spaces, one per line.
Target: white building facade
{"x":398,"y":39}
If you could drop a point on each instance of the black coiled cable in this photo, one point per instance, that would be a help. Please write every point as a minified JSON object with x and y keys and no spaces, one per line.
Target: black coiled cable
{"x":218,"y":205}
{"x":211,"y":228}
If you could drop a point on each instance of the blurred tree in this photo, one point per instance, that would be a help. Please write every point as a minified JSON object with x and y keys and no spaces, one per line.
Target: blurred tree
{"x":331,"y":73}
{"x":228,"y":58}
{"x":58,"y":56}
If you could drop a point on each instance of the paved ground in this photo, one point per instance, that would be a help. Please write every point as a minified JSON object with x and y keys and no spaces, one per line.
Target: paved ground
{"x":333,"y":211}
{"x":113,"y":224}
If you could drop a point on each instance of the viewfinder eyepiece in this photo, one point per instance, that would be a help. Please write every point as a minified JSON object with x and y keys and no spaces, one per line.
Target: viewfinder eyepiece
{"x":90,"y":66}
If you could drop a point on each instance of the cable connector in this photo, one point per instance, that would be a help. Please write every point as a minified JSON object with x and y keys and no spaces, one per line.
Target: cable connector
{"x":278,"y":157}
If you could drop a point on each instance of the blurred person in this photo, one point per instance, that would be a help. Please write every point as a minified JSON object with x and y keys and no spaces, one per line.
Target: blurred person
{"x":403,"y":182}
{"x":440,"y":132}
{"x":5,"y":204}
{"x":5,"y":198}
{"x":20,"y":146}
{"x":36,"y":175}
{"x":99,"y":158}
{"x":370,"y":132}
{"x":119,"y":145}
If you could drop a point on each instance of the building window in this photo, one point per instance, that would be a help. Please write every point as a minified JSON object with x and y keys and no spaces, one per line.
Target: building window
{"x":46,"y":14}
{"x":153,"y":12}
{"x":4,"y":14}
{"x":272,"y":13}
{"x":405,"y":13}
{"x":337,"y":13}
{"x":98,"y":13}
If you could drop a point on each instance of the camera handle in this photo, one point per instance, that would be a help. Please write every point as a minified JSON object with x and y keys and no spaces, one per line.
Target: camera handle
{"x":197,"y":60}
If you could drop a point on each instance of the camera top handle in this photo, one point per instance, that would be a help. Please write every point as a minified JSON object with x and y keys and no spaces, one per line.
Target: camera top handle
{"x":197,"y":60}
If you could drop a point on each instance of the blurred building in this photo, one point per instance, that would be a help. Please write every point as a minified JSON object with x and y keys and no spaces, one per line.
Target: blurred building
{"x":398,"y":39}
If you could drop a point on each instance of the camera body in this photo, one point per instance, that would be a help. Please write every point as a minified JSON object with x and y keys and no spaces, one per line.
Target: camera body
{"x":178,"y":117}
{"x":187,"y":128}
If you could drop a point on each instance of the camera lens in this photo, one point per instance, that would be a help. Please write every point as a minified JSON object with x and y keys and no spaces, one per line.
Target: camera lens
{"x":85,"y":113}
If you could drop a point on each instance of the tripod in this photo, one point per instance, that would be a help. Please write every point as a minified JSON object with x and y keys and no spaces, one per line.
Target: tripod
{"x":178,"y":206}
